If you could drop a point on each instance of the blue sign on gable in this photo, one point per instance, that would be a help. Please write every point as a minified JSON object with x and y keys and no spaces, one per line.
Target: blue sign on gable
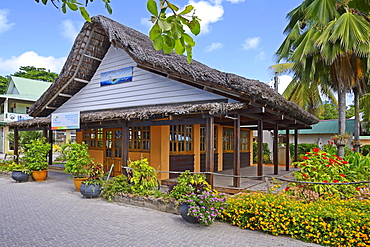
{"x":116,"y":76}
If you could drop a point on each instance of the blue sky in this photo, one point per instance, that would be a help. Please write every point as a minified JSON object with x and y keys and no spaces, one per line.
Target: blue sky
{"x":238,"y":36}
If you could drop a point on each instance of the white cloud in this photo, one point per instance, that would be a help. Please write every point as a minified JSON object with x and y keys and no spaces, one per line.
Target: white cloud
{"x":208,"y":13}
{"x":70,"y":29}
{"x":231,"y":1}
{"x":214,"y":46}
{"x":4,"y":23}
{"x":261,"y":56}
{"x":283,"y":82}
{"x":145,"y":21}
{"x":251,"y":43}
{"x":30,"y":58}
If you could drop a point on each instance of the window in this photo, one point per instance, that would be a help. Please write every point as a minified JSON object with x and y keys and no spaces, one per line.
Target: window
{"x":228,"y":140}
{"x":181,"y":139}
{"x":139,"y":138}
{"x":94,"y":138}
{"x":203,"y":138}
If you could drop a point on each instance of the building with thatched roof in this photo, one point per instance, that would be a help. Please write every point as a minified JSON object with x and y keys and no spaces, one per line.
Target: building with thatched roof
{"x":135,"y":101}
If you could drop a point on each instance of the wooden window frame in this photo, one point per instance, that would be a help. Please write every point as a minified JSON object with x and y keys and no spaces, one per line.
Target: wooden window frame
{"x":179,"y":139}
{"x":228,"y":140}
{"x":139,"y":139}
{"x":92,"y":137}
{"x":202,"y":145}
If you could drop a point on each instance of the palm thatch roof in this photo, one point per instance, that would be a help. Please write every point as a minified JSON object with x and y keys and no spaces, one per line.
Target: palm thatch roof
{"x":93,"y":42}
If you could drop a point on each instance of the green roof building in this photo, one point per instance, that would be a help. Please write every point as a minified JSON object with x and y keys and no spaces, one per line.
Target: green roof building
{"x":21,"y":93}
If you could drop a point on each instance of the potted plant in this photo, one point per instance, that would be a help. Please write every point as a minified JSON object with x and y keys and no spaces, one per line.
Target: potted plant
{"x":199,"y":203}
{"x":20,"y":173}
{"x":91,"y":187}
{"x":77,"y":161}
{"x":35,"y":158}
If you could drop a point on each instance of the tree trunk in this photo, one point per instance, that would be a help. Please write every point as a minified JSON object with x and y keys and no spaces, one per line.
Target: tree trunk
{"x":356,"y":143}
{"x":341,"y":118}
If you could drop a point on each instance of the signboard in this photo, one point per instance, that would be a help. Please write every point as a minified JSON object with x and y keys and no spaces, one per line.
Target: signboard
{"x":64,"y":121}
{"x":116,"y":76}
{"x":17,"y":117}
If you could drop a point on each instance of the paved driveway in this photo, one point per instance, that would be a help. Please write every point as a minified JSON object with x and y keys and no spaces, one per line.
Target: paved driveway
{"x":51,"y":213}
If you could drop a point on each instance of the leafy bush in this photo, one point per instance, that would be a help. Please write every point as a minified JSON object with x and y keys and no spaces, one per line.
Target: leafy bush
{"x":329,"y":221}
{"x":143,"y":176}
{"x":112,"y":187}
{"x":188,"y":183}
{"x":265,"y":155}
{"x":365,"y":149}
{"x":303,"y":148}
{"x":35,"y":156}
{"x":78,"y":159}
{"x":323,"y":167}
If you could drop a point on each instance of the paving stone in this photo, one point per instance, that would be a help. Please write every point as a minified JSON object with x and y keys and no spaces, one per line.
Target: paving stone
{"x":52,"y":213}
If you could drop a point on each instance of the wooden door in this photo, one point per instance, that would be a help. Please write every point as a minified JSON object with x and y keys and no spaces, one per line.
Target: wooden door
{"x":113,"y":150}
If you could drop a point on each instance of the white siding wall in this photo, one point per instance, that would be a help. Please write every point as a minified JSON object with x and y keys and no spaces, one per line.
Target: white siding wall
{"x":146,"y":88}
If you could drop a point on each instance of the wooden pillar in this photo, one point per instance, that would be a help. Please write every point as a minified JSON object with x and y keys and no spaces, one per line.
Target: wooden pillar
{"x":295,"y":145}
{"x":16,"y":146}
{"x":210,"y":151}
{"x":236,"y":180}
{"x":51,"y":147}
{"x":287,"y":163}
{"x":125,"y":146}
{"x":260,"y":148}
{"x":276,"y":149}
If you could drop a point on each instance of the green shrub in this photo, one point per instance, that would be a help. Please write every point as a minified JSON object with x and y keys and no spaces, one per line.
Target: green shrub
{"x":319,"y":166}
{"x":330,"y":221}
{"x":303,"y":148}
{"x":187,"y":183}
{"x":266,"y":153}
{"x":365,"y":149}
{"x":144,"y":177}
{"x":112,"y":187}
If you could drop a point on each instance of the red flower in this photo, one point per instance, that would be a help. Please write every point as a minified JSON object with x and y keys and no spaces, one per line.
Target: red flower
{"x":325,"y":158}
{"x":327,"y":165}
{"x":353,"y":149}
{"x":308,"y":153}
{"x":305,"y":175}
{"x":342,"y":175}
{"x":345,"y":162}
{"x":335,"y":181}
{"x":325,"y":181}
{"x":301,"y":186}
{"x":287,"y":188}
{"x":303,"y":164}
{"x":357,"y":188}
{"x":305,"y":157}
{"x":316,"y":150}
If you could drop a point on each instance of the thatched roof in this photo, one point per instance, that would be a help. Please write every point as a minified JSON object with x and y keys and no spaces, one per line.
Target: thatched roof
{"x":139,"y":113}
{"x":93,"y":42}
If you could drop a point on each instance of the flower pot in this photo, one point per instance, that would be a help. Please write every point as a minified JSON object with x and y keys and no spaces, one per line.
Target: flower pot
{"x":39,"y":176}
{"x":90,"y":190}
{"x":20,"y":176}
{"x":78,"y":182}
{"x":184,"y":208}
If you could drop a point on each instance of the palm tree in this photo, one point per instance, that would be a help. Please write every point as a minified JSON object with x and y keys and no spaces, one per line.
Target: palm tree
{"x":328,"y":41}
{"x":307,"y":94}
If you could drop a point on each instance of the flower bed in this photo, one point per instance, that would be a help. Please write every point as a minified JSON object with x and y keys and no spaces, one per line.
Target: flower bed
{"x":328,"y":221}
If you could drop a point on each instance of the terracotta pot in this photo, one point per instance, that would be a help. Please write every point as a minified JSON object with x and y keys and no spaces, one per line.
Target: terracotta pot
{"x":39,"y":176}
{"x":78,"y":182}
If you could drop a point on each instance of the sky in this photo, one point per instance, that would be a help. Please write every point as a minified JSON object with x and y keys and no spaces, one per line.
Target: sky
{"x":238,"y":36}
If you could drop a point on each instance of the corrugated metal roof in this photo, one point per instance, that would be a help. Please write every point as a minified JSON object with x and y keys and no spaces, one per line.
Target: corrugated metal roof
{"x":325,"y":127}
{"x":30,"y":87}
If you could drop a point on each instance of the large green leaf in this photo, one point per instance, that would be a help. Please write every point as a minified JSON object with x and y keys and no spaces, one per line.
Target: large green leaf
{"x":194,"y":26}
{"x":154,"y":32}
{"x":187,"y":10}
{"x":151,"y":5}
{"x":323,"y":11}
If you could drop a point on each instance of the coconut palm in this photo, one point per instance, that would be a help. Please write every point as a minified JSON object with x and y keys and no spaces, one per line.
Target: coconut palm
{"x":306,"y":93}
{"x":328,"y":41}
